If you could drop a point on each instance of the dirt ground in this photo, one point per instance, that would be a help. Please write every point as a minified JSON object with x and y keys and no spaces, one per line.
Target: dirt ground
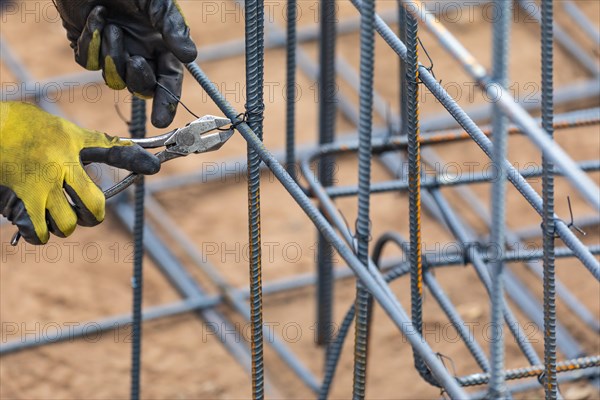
{"x":86,"y":277}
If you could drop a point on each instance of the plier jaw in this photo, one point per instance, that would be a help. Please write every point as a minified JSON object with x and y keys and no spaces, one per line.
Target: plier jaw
{"x":200,"y":136}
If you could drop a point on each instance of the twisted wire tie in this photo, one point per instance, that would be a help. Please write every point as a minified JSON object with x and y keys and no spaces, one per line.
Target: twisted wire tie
{"x":253,"y":115}
{"x":571,"y":225}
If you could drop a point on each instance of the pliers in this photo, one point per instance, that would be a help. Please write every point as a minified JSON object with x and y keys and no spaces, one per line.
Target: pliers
{"x":200,"y":136}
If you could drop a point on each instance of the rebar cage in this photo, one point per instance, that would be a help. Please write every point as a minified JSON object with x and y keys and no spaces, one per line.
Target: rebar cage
{"x":404,"y":139}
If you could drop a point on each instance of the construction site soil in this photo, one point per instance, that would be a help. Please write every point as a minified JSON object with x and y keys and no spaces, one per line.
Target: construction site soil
{"x":87,"y":277}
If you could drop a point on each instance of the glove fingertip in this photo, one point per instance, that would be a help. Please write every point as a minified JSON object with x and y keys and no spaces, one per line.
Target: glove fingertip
{"x":163,"y":115}
{"x":147,"y":164}
{"x":186,"y":52}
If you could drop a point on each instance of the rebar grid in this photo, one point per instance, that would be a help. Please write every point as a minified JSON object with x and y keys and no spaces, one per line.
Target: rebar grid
{"x":370,"y":280}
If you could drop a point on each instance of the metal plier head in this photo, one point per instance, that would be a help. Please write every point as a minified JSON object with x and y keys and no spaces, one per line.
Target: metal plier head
{"x":200,"y":136}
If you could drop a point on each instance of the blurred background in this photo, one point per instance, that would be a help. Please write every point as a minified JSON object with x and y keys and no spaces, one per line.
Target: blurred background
{"x":85,"y":278}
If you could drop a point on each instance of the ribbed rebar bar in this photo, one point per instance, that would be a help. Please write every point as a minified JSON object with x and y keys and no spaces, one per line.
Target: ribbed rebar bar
{"x":451,"y":180}
{"x":533,"y":384}
{"x":414,"y":184}
{"x":290,"y":101}
{"x":327,"y":116}
{"x":137,"y":129}
{"x":550,"y":383}
{"x":500,"y":44}
{"x":532,"y":371}
{"x":363,"y":222}
{"x":581,"y":118}
{"x":402,"y":67}
{"x":254,"y":31}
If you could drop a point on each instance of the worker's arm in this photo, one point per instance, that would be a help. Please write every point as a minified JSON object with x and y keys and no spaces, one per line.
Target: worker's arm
{"x":43,"y":185}
{"x":136,"y":43}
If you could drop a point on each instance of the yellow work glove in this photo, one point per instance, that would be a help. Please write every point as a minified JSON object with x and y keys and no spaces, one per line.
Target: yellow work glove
{"x":42,"y":157}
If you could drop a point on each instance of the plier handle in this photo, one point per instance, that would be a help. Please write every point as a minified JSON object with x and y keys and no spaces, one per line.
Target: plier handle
{"x":199,"y":136}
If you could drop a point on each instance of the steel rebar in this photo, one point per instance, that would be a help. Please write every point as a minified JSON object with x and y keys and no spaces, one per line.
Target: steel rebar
{"x":363,"y":222}
{"x":231,"y":295}
{"x":445,"y":259}
{"x":254,"y":31}
{"x":532,"y":384}
{"x":549,"y":279}
{"x":327,"y":117}
{"x":137,"y":129}
{"x":532,"y":371}
{"x":290,"y":120}
{"x":414,"y":184}
{"x":501,"y":27}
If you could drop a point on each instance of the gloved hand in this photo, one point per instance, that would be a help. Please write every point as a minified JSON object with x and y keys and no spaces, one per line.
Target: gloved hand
{"x":40,"y":155}
{"x":136,"y":43}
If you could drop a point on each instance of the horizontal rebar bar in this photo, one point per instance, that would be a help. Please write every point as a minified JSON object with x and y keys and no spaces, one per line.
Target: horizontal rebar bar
{"x":452,"y":180}
{"x":92,"y":328}
{"x":532,"y":371}
{"x":532,"y":384}
{"x":232,"y":169}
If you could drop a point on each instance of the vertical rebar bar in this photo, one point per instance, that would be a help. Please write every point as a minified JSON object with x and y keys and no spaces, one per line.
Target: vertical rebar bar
{"x":403,"y":89}
{"x":550,"y":383}
{"x":290,"y":121}
{"x":137,"y":129}
{"x":414,"y":181}
{"x":363,"y":223}
{"x":254,"y":19}
{"x":327,"y":115}
{"x":501,"y":40}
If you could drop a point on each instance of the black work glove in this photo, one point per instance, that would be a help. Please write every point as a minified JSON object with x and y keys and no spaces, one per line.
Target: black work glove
{"x":136,"y":43}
